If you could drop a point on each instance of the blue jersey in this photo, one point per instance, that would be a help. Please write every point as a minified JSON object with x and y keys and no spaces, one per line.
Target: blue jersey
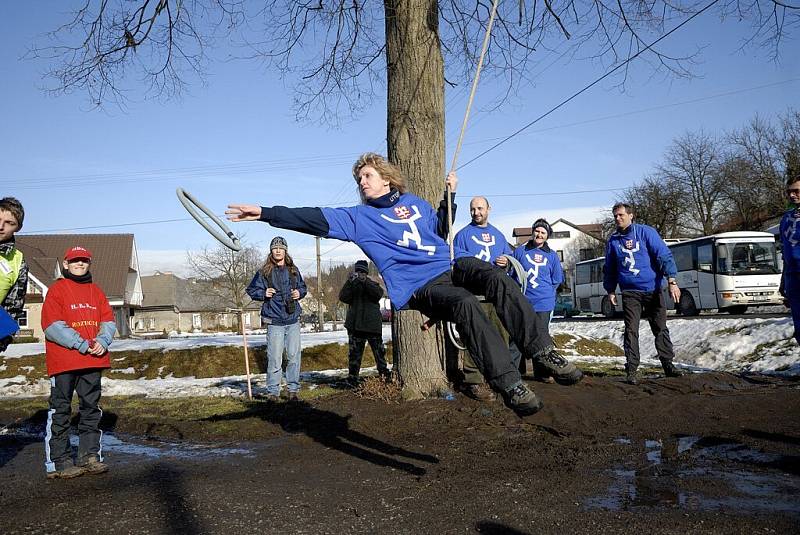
{"x":637,"y":259}
{"x":484,"y":243}
{"x":543,"y":271}
{"x":790,"y":239}
{"x":401,"y":240}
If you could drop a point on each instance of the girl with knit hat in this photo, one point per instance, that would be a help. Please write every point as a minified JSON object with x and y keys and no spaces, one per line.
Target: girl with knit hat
{"x":280,"y":286}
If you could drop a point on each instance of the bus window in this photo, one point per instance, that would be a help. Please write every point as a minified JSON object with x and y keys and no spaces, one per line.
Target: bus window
{"x":583,"y":273}
{"x":704,"y":258}
{"x":749,"y":258}
{"x":682,"y":254}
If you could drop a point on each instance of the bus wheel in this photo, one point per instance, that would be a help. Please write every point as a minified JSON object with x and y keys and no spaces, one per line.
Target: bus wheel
{"x":686,"y":306}
{"x":607,"y":308}
{"x":738,"y":309}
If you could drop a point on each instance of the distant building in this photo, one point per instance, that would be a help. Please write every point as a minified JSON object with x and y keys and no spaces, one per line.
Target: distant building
{"x":115,"y":268}
{"x":186,"y":305}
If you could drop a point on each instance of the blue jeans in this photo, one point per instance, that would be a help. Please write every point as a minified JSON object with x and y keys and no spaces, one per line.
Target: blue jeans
{"x":280,"y":337}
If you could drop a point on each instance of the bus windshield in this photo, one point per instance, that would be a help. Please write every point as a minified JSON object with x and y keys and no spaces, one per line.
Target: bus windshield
{"x":747,"y":258}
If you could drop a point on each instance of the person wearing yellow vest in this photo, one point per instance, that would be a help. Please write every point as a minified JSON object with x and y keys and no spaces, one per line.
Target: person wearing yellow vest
{"x":13,"y":269}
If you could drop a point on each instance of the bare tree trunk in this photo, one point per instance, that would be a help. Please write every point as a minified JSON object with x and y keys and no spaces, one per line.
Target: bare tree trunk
{"x":415,"y":139}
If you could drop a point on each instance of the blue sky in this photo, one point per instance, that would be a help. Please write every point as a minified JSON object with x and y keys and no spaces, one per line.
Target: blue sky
{"x":235,"y":139}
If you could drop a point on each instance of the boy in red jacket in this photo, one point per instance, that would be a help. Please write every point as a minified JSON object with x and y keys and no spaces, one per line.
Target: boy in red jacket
{"x":78,"y":327}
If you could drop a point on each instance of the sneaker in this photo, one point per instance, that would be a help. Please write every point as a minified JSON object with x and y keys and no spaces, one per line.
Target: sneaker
{"x":523,"y":400}
{"x":480,"y":392}
{"x":93,"y":465}
{"x":68,"y":472}
{"x":631,"y":376}
{"x":671,"y":371}
{"x":552,"y":364}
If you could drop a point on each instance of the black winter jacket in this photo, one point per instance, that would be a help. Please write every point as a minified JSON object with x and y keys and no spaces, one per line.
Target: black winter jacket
{"x":363,"y":296}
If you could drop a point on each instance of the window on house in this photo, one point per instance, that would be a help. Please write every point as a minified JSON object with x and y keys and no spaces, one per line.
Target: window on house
{"x":586,"y":254}
{"x":196,"y":321}
{"x":560,"y":255}
{"x":23,"y":319}
{"x":247,"y":319}
{"x":560,"y":234}
{"x":152,"y":324}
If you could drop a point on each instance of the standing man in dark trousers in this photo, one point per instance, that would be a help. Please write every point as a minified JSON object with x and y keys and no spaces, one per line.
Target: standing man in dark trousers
{"x":485,"y":242}
{"x":363,"y":322}
{"x":638,"y":260}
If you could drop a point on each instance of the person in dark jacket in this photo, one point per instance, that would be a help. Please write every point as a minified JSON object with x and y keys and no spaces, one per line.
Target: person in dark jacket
{"x":363,"y":323}
{"x":281,"y":286}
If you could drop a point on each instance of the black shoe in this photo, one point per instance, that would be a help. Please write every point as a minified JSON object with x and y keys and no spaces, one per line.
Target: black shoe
{"x":523,"y":400}
{"x":553,"y":364}
{"x":671,"y":371}
{"x":631,"y":376}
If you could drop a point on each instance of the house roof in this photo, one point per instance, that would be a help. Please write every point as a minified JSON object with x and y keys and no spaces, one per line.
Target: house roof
{"x":187,"y":295}
{"x":111,"y":258}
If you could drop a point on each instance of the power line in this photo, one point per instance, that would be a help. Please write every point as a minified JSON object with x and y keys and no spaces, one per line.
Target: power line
{"x":589,"y":86}
{"x":653,"y":108}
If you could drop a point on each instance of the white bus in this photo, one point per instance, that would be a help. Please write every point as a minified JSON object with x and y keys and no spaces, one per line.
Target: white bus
{"x":727,"y":272}
{"x":588,"y":289}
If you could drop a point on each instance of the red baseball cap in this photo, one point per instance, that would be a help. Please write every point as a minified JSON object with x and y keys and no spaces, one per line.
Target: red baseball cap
{"x":77,"y":252}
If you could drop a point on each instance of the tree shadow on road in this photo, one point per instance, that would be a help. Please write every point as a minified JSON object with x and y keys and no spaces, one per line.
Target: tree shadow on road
{"x":332,"y":431}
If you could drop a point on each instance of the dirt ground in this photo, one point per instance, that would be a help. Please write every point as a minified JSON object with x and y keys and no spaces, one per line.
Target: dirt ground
{"x":707,"y":453}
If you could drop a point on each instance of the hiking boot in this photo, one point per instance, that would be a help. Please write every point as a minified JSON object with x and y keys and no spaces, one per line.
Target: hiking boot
{"x":93,"y":465}
{"x":671,"y":371}
{"x":68,"y":472}
{"x":631,"y":376}
{"x":272,"y":397}
{"x":523,"y":400}
{"x":552,"y":364}
{"x":292,"y":396}
{"x":480,"y":392}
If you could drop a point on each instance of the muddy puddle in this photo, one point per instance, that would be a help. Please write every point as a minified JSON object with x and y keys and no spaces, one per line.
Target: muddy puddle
{"x":128,"y":448}
{"x":702,"y":473}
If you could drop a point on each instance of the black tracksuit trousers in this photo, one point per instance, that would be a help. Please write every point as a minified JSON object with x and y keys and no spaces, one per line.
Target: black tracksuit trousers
{"x":649,"y":305}
{"x":451,"y":297}
{"x":86,"y":383}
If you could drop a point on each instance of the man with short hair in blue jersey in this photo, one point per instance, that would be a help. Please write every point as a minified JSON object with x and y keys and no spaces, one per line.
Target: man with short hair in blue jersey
{"x":790,"y":239}
{"x":403,"y":236}
{"x":638,"y":260}
{"x":485,"y":242}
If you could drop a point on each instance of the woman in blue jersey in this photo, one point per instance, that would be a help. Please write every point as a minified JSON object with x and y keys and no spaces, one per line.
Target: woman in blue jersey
{"x":403,"y":236}
{"x":543,"y":269}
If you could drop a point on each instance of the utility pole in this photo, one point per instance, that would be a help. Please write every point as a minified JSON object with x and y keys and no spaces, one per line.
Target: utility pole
{"x":320,"y":317}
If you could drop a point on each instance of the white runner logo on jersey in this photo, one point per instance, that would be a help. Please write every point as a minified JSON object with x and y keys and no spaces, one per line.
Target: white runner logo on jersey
{"x":792,"y":234}
{"x":538,"y":261}
{"x":413,"y":233}
{"x":488,"y":241}
{"x":630,"y":261}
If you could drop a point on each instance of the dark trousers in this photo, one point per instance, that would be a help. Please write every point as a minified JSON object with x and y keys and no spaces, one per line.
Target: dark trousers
{"x":648,"y":305}
{"x":86,"y":383}
{"x":451,"y":297}
{"x":543,"y":326}
{"x":356,"y":343}
{"x":472,"y":375}
{"x":792,"y":293}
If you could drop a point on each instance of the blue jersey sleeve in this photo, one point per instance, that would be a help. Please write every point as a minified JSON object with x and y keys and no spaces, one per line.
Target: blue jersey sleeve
{"x":610,"y":269}
{"x":663,"y":256}
{"x":305,"y":220}
{"x":341,"y":223}
{"x":558,"y":273}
